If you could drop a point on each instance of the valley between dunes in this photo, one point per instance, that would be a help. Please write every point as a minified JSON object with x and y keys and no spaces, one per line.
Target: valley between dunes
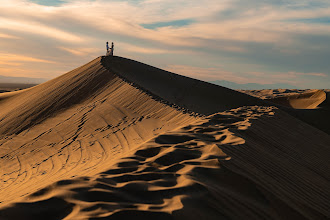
{"x":118,"y":139}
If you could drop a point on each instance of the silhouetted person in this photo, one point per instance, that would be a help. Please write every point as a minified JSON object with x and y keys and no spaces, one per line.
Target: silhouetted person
{"x":110,"y":50}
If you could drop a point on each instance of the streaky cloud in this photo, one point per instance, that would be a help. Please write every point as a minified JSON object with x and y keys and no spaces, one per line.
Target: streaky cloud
{"x":176,"y":23}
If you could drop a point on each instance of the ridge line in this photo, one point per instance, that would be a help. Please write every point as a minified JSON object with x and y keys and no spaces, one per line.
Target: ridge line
{"x":148,"y":92}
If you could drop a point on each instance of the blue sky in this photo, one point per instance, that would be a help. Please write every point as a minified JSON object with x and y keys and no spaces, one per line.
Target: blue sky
{"x":49,"y":2}
{"x":175,"y":23}
{"x":235,"y":40}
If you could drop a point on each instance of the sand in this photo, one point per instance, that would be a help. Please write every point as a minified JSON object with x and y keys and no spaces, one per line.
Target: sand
{"x":298,"y":99}
{"x":118,"y":139}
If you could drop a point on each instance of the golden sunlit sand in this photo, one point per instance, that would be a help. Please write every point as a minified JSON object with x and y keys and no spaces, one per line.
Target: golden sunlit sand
{"x":118,"y":139}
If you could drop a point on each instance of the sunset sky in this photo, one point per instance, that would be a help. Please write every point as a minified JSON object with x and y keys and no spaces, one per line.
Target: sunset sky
{"x":236,"y":40}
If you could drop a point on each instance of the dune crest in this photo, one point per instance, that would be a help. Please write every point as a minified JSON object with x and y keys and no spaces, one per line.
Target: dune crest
{"x":192,"y":94}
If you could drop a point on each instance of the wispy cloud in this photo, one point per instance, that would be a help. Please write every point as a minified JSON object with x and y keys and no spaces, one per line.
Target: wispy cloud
{"x":8,"y":36}
{"x":148,"y":50}
{"x":39,"y":29}
{"x":207,"y":74}
{"x":293,"y":74}
{"x":5,"y":57}
{"x":80,"y":51}
{"x":175,"y":23}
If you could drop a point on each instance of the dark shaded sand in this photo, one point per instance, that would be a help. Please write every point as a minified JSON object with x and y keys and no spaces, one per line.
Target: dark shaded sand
{"x":118,"y":139}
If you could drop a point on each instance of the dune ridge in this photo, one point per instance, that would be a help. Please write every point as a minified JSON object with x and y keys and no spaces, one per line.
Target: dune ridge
{"x":118,"y":139}
{"x":195,"y":95}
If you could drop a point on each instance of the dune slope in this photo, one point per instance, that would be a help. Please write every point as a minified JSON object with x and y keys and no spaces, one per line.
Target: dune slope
{"x":75,"y":124}
{"x":117,"y":139}
{"x":309,"y":100}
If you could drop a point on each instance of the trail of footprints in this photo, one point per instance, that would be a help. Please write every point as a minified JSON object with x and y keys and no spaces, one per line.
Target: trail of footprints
{"x":85,"y":137}
{"x":155,"y":181}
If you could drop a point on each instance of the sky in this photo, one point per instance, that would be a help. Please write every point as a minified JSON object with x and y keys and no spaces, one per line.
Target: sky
{"x":243,"y":41}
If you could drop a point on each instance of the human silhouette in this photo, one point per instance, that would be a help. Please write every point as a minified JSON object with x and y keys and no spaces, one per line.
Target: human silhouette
{"x":110,"y":49}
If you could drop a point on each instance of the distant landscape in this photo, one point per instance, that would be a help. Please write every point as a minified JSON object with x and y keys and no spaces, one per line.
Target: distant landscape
{"x":232,"y":85}
{"x":252,"y":86}
{"x":8,"y":84}
{"x":21,"y":80}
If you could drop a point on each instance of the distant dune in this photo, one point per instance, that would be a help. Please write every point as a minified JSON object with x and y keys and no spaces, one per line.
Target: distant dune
{"x":21,"y":80}
{"x":311,"y":106}
{"x":252,"y":86}
{"x":298,"y":99}
{"x":8,"y":87}
{"x":118,"y":139}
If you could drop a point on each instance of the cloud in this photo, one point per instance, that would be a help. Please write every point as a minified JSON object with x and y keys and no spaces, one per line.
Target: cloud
{"x":218,"y":73}
{"x":39,"y":29}
{"x":295,"y":74}
{"x":80,"y":51}
{"x":318,"y":74}
{"x":25,"y":66}
{"x":49,"y":3}
{"x":275,"y":36}
{"x":299,"y":79}
{"x":148,"y":50}
{"x":8,"y":36}
{"x":172,"y":25}
{"x":206,"y":74}
{"x":25,"y":72}
{"x":176,"y":23}
{"x":5,"y":57}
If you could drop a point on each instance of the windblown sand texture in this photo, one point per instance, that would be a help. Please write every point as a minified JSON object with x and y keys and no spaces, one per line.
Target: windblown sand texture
{"x":118,"y":139}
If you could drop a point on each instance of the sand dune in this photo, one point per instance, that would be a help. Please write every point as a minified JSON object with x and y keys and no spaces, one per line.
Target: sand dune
{"x":306,"y":100}
{"x":117,"y":139}
{"x":326,"y":103}
{"x":76,"y":123}
{"x":276,"y":93}
{"x":311,"y":106}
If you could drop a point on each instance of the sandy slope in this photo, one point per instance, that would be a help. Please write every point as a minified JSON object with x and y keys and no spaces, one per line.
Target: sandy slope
{"x":117,"y":139}
{"x":307,"y":100}
{"x":74,"y":125}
